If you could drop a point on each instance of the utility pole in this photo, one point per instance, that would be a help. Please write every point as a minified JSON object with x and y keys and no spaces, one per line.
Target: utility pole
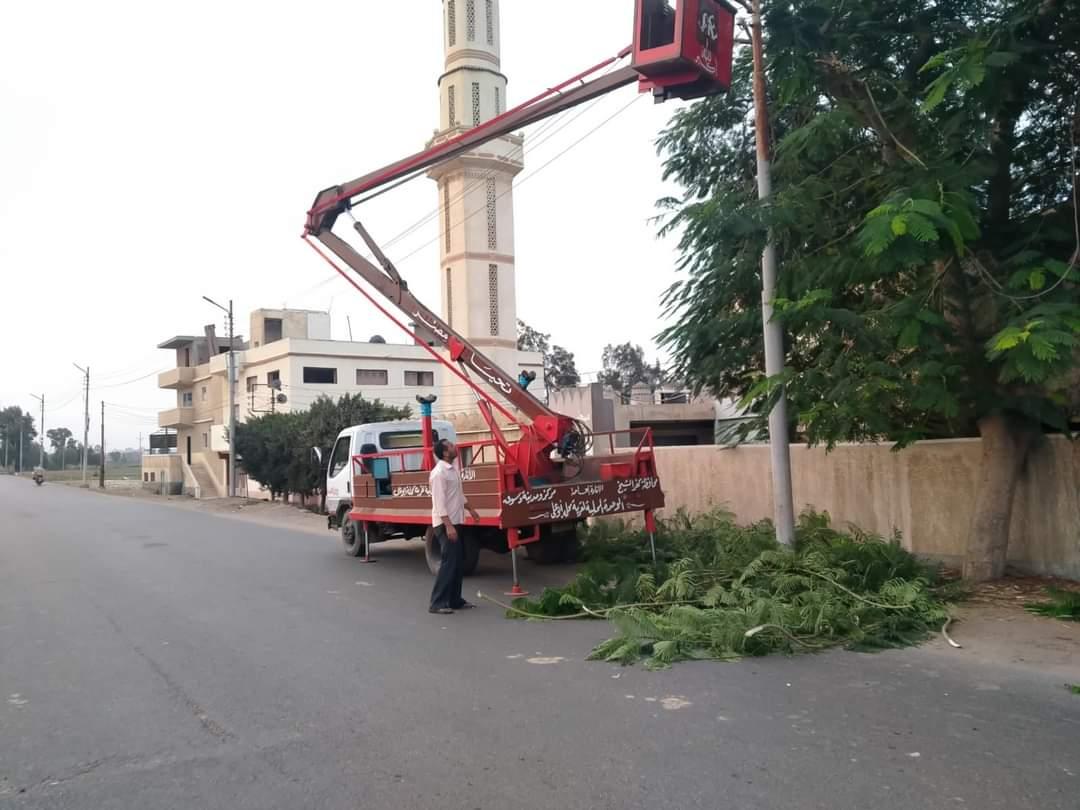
{"x":86,"y":418}
{"x":22,"y":425}
{"x":101,"y":466}
{"x":232,"y":395}
{"x":41,"y":427}
{"x":779,"y":448}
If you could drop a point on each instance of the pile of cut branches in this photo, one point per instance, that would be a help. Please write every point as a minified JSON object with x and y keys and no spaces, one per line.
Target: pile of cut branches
{"x":720,"y":591}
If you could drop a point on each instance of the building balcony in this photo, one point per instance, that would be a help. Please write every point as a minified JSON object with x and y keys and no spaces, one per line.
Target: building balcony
{"x":176,"y":418}
{"x":177,"y":377}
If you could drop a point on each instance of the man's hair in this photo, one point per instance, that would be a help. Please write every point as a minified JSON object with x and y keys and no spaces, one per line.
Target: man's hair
{"x":440,"y":449}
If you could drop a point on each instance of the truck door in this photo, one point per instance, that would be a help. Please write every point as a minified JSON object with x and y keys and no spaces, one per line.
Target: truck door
{"x":339,"y":474}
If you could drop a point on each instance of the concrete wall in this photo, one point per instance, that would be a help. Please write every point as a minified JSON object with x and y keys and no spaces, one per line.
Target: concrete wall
{"x":927,"y":492}
{"x":167,"y":472}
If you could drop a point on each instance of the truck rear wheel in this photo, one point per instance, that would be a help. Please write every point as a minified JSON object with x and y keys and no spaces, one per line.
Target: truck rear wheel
{"x":433,"y":554}
{"x":553,"y":548}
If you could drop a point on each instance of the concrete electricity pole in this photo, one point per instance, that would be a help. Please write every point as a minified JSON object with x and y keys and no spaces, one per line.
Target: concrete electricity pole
{"x":101,"y":473}
{"x":41,"y":427}
{"x":780,"y":450}
{"x":86,"y":418}
{"x":232,"y":395}
{"x":18,"y":466}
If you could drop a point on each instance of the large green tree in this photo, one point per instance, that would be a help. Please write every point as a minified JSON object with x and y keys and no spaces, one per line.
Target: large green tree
{"x":15,"y":422}
{"x":58,"y":438}
{"x":926,"y":222}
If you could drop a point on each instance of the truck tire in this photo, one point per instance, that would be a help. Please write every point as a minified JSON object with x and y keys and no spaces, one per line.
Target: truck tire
{"x":352,"y":536}
{"x":472,"y":553}
{"x":433,"y":554}
{"x":553,"y":549}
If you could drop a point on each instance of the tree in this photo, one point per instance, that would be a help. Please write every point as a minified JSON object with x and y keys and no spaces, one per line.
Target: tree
{"x":58,"y":438}
{"x":624,"y":367}
{"x":925,"y":219}
{"x":13,"y":423}
{"x":560,"y":370}
{"x":266,"y":446}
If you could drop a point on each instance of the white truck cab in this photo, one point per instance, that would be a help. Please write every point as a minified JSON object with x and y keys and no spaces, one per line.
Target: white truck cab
{"x":378,"y":437}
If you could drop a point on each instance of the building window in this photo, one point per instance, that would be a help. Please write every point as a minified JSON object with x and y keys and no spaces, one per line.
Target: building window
{"x":470,"y":19}
{"x":498,"y":101}
{"x":493,"y":298}
{"x":273,"y":377}
{"x":476,"y":104}
{"x":492,"y":199}
{"x":320,"y":376}
{"x":451,"y":21}
{"x":424,"y":379}
{"x":187,"y":357}
{"x":490,"y":9}
{"x":206,"y":441}
{"x":451,"y":106}
{"x":446,"y":212}
{"x":449,"y":297}
{"x":372,"y":376}
{"x":251,"y":383}
{"x":186,"y":400}
{"x":272,"y":330}
{"x":202,"y":394}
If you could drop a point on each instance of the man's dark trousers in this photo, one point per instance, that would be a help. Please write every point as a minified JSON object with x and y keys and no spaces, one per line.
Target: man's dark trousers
{"x":447,"y":590}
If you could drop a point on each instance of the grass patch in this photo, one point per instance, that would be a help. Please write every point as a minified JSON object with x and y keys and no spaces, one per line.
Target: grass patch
{"x":1073,"y":687}
{"x":1060,"y":604}
{"x":720,"y":591}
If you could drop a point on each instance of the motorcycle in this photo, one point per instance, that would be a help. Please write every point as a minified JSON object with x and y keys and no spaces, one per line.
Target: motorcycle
{"x":38,"y":476}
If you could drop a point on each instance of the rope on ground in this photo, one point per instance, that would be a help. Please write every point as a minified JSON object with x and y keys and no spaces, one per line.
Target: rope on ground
{"x":945,"y":633}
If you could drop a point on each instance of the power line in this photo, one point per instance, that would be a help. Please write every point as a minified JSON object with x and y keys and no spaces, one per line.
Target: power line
{"x":525,"y":149}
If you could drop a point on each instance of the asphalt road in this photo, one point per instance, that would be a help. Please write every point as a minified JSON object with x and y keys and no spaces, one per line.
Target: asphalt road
{"x":155,"y":657}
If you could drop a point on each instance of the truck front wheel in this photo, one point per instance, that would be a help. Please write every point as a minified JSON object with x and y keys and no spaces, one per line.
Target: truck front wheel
{"x":352,"y":536}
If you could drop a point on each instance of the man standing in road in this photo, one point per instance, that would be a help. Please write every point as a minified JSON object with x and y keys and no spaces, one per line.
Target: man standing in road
{"x":448,"y":508}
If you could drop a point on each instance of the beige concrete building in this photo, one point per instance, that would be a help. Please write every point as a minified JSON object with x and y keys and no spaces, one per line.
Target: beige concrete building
{"x":676,"y":417}
{"x":289,"y":362}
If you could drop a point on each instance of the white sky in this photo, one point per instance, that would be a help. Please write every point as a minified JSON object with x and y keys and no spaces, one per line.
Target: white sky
{"x":153,"y":153}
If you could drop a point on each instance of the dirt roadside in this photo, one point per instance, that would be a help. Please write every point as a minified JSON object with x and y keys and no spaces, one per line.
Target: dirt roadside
{"x":991,"y":626}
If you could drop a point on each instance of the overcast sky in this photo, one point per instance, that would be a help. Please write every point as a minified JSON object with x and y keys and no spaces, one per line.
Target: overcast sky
{"x":153,"y":153}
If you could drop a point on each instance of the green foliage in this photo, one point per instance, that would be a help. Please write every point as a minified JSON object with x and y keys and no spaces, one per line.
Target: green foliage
{"x":923,"y":214}
{"x":276,"y":449}
{"x":720,"y":591}
{"x":14,"y":420}
{"x":1074,"y":688}
{"x":1061,"y":604}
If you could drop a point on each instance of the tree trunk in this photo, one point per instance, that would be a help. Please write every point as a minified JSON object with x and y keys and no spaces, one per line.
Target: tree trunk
{"x":1005,"y":448}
